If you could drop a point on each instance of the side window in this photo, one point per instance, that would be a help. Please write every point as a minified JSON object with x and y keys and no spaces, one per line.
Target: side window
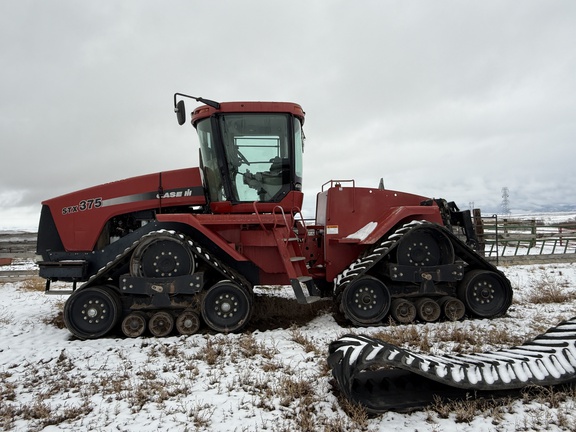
{"x":298,"y":149}
{"x":210,"y":162}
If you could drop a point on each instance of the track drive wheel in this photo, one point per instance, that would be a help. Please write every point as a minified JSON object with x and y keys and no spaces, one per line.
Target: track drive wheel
{"x":403,"y":311}
{"x":162,"y":255}
{"x":161,"y":324}
{"x":452,"y":308}
{"x":134,"y":324}
{"x":425,"y":246}
{"x":485,"y":293}
{"x":428,"y":310}
{"x":91,"y":312}
{"x":365,"y":301}
{"x":188,"y":323}
{"x":226,"y":307}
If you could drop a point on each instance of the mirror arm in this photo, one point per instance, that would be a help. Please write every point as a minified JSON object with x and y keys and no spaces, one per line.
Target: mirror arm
{"x":179,"y":106}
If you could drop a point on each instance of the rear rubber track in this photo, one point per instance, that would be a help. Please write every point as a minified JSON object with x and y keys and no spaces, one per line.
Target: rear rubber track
{"x":386,"y":247}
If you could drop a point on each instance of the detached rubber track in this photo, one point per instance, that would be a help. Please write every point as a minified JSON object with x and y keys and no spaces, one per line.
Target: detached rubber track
{"x":383,"y":377}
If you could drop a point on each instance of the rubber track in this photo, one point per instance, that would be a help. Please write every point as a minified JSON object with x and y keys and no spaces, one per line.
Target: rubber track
{"x":372,"y":257}
{"x":380,"y":250}
{"x":382,"y":377}
{"x":124,"y":258}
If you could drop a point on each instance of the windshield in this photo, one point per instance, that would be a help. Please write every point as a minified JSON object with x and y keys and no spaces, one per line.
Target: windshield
{"x":257,"y":151}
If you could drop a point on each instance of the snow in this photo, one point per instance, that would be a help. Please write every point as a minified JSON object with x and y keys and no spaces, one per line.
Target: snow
{"x":363,"y":232}
{"x":274,"y":379}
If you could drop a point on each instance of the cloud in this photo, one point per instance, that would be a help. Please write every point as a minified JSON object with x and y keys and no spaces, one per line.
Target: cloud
{"x":439,"y":98}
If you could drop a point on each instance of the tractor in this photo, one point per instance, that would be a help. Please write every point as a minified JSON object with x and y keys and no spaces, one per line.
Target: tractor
{"x":177,"y":250}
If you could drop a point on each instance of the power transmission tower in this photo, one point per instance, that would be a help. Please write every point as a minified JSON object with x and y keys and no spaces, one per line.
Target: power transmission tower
{"x":505,"y":201}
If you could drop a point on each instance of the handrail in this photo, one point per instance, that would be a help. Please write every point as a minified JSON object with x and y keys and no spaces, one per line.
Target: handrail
{"x":297,"y":211}
{"x":259,"y":218}
{"x":282,"y":213}
{"x":337,"y":183}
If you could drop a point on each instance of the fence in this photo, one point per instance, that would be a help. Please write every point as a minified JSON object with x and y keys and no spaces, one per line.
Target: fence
{"x":506,"y":240}
{"x":502,"y":241}
{"x":17,"y":245}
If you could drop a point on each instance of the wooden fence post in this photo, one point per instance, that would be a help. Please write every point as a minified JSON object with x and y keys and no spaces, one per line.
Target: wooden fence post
{"x":479,"y":228}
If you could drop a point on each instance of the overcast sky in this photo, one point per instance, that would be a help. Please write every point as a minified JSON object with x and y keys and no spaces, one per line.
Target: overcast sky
{"x":449,"y":99}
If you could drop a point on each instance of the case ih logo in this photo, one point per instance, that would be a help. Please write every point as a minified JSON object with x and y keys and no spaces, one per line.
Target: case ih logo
{"x":175,"y":193}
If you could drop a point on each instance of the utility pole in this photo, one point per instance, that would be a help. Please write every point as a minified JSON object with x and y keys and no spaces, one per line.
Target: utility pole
{"x":505,"y":201}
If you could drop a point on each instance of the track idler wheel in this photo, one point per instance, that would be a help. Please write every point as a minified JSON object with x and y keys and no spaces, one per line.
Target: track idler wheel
{"x":188,"y":323}
{"x":452,"y":308}
{"x":92,"y":312}
{"x":403,"y":311}
{"x":425,"y":246}
{"x":162,"y":255}
{"x":134,"y":324}
{"x":161,"y":324}
{"x":365,"y":301}
{"x":226,"y":307}
{"x":485,"y":293}
{"x":428,"y":310}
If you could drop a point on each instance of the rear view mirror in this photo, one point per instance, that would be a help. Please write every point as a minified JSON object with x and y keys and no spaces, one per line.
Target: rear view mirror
{"x":180,"y":110}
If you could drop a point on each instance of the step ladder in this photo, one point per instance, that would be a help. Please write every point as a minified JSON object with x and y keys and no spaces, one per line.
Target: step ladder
{"x":303,"y":285}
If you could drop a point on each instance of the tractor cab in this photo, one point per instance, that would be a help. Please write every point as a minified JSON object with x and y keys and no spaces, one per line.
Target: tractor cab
{"x":250,"y":153}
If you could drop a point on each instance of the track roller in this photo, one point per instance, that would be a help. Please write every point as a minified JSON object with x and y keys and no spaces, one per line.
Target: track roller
{"x":452,"y":308}
{"x":485,"y":293}
{"x":403,"y":311}
{"x":161,"y":324}
{"x":226,"y":307}
{"x":134,"y":324}
{"x":188,"y":323}
{"x":365,"y":301}
{"x":428,"y":310}
{"x":92,"y":312}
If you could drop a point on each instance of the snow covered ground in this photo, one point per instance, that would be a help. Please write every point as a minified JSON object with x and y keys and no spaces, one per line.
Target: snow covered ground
{"x":273,"y":377}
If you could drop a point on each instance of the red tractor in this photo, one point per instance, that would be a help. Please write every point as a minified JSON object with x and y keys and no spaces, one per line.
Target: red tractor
{"x":176,"y":248}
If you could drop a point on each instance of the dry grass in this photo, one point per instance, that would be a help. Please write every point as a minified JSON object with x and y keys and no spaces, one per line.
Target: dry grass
{"x":307,"y":343}
{"x":269,"y":382}
{"x":37,"y":284}
{"x":464,"y":411}
{"x":551,"y":289}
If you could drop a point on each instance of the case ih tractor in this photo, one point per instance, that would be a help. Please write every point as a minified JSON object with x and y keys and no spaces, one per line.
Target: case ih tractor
{"x":182,"y":247}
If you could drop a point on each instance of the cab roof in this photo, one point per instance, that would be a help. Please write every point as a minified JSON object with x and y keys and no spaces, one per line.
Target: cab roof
{"x":205,"y":111}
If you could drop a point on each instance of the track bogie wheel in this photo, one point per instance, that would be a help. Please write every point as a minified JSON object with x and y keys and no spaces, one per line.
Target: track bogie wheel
{"x":226,"y":307}
{"x":161,"y":324}
{"x":134,"y":324}
{"x":162,"y":256}
{"x":452,"y":308}
{"x":427,"y":309}
{"x":485,"y":293}
{"x":188,"y":323}
{"x":403,"y":311}
{"x":365,"y":301}
{"x":425,"y":246}
{"x":92,"y":312}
